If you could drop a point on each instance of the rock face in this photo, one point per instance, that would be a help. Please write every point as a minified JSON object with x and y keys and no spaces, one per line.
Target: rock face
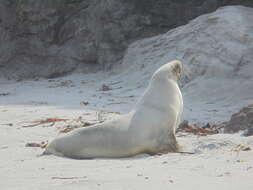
{"x":243,"y":120}
{"x":45,"y":38}
{"x":216,"y":50}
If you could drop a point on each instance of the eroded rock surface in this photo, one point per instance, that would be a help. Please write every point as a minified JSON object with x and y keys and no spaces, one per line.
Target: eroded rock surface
{"x":216,"y":50}
{"x":240,"y":121}
{"x":45,"y":38}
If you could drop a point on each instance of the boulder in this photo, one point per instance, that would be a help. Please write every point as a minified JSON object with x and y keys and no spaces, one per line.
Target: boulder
{"x":45,"y":38}
{"x":241,"y":121}
{"x":216,"y":50}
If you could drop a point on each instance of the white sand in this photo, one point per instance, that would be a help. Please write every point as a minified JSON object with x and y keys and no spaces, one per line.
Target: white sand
{"x":213,"y":166}
{"x":208,"y":98}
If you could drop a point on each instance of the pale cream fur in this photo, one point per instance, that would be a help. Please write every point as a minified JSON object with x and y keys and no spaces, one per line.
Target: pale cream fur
{"x":148,"y":128}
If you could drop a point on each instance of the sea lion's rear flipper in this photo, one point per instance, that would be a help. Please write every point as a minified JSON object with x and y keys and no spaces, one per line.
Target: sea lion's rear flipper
{"x":173,"y":145}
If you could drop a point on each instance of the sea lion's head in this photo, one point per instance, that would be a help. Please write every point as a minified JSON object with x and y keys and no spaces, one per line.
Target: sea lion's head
{"x":172,"y":70}
{"x":177,"y":69}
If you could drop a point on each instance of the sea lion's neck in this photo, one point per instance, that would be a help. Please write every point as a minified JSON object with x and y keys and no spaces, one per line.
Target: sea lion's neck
{"x":160,"y":93}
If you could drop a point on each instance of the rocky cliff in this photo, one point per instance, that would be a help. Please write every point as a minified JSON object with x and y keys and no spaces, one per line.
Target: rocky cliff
{"x":45,"y":38}
{"x":216,"y":50}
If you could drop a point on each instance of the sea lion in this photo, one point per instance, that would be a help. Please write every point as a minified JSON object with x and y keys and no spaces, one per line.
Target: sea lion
{"x":148,"y":128}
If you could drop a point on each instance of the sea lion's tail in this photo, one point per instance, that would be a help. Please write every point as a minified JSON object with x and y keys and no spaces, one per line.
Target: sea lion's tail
{"x":46,"y":152}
